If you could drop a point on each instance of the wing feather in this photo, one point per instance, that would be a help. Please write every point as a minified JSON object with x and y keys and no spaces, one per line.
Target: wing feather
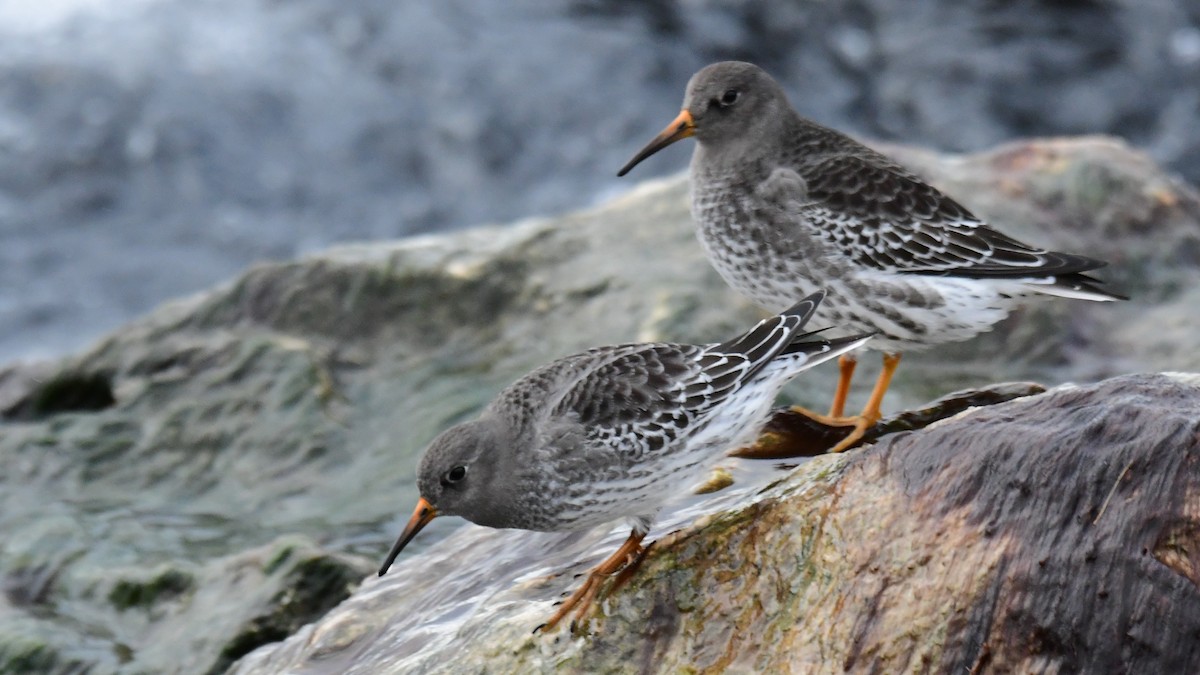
{"x":889,"y":219}
{"x":639,"y":397}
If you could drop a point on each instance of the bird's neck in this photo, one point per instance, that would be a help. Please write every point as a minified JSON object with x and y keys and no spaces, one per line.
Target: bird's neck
{"x":733,"y":160}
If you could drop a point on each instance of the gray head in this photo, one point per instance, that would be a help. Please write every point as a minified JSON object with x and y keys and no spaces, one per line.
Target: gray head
{"x":727,"y":105}
{"x":465,"y":472}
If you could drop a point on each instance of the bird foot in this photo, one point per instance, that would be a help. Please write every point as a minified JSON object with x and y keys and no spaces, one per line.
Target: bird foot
{"x":579,"y":601}
{"x":622,"y":564}
{"x":799,"y":432}
{"x":859,"y":425}
{"x":626,"y":573}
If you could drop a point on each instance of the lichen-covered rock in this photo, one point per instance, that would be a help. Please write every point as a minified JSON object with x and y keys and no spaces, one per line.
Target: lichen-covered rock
{"x":1053,"y":533}
{"x":295,"y":399}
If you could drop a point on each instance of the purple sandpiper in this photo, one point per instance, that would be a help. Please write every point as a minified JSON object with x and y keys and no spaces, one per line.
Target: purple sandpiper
{"x":611,"y":434}
{"x":785,"y":206}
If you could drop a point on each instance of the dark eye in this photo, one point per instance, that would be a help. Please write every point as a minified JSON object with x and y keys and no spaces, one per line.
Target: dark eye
{"x":729,"y":97}
{"x":454,"y":475}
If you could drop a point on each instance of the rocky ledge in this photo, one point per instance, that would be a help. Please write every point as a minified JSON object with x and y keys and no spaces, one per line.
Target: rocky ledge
{"x":1054,"y":533}
{"x":227,"y":469}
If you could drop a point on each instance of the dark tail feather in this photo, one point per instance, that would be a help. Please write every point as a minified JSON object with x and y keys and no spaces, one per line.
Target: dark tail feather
{"x":1078,"y":286}
{"x":805,"y":308}
{"x":761,"y":338}
{"x":840,"y":345}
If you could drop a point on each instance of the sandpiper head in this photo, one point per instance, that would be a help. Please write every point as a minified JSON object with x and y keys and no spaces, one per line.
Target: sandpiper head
{"x":458,"y":477}
{"x":725,"y":103}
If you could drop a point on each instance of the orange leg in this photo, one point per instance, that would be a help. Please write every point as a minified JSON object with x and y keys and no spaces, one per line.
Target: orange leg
{"x":630,"y":552}
{"x":890,"y":362}
{"x":870,"y":413}
{"x":846,"y":364}
{"x":628,"y":571}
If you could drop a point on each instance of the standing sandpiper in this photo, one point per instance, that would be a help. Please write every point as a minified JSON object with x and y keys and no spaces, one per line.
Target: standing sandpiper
{"x":785,"y":206}
{"x":611,"y":434}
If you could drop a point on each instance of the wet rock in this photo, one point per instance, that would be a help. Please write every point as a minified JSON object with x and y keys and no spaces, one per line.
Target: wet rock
{"x":295,"y":399}
{"x":1053,"y":532}
{"x":789,"y":434}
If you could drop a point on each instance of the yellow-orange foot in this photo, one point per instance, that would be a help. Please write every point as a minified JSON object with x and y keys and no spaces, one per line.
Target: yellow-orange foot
{"x":799,"y":432}
{"x":629,"y":555}
{"x":805,"y":433}
{"x":858,"y":427}
{"x":870,"y":413}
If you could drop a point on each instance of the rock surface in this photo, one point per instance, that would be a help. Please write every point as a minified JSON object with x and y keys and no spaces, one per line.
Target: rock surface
{"x":1054,"y":533}
{"x":151,"y":481}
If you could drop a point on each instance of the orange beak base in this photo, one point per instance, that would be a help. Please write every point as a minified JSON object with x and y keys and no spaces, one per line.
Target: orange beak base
{"x":682,"y":127}
{"x":420,"y":518}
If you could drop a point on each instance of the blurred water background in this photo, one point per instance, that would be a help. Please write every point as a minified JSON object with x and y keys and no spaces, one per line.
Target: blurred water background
{"x":151,"y":148}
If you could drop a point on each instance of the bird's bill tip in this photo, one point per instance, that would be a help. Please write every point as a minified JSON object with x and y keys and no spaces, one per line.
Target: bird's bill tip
{"x":421,"y":516}
{"x":681,"y":127}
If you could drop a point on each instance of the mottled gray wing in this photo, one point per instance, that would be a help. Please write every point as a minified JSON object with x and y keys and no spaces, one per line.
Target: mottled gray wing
{"x":888,"y":219}
{"x":638,"y":398}
{"x":632,"y":398}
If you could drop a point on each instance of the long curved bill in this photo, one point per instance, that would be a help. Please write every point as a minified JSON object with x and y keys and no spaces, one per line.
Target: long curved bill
{"x":681,"y":127}
{"x":420,"y":518}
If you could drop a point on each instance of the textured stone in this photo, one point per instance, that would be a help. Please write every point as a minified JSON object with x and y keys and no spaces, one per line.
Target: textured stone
{"x":295,"y":399}
{"x":1052,"y":533}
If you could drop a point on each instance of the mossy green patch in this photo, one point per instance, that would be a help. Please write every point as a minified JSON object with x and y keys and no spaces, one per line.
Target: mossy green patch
{"x":68,"y":391}
{"x":170,"y":583}
{"x":281,"y":556}
{"x":314,"y":585}
{"x":263,"y":630}
{"x":27,"y":656}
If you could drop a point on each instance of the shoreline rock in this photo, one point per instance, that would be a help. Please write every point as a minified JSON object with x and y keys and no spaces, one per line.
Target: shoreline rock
{"x":295,"y":399}
{"x":1052,"y":532}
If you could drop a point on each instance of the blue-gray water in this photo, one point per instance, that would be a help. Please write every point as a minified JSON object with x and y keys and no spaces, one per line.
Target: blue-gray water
{"x":151,"y":148}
